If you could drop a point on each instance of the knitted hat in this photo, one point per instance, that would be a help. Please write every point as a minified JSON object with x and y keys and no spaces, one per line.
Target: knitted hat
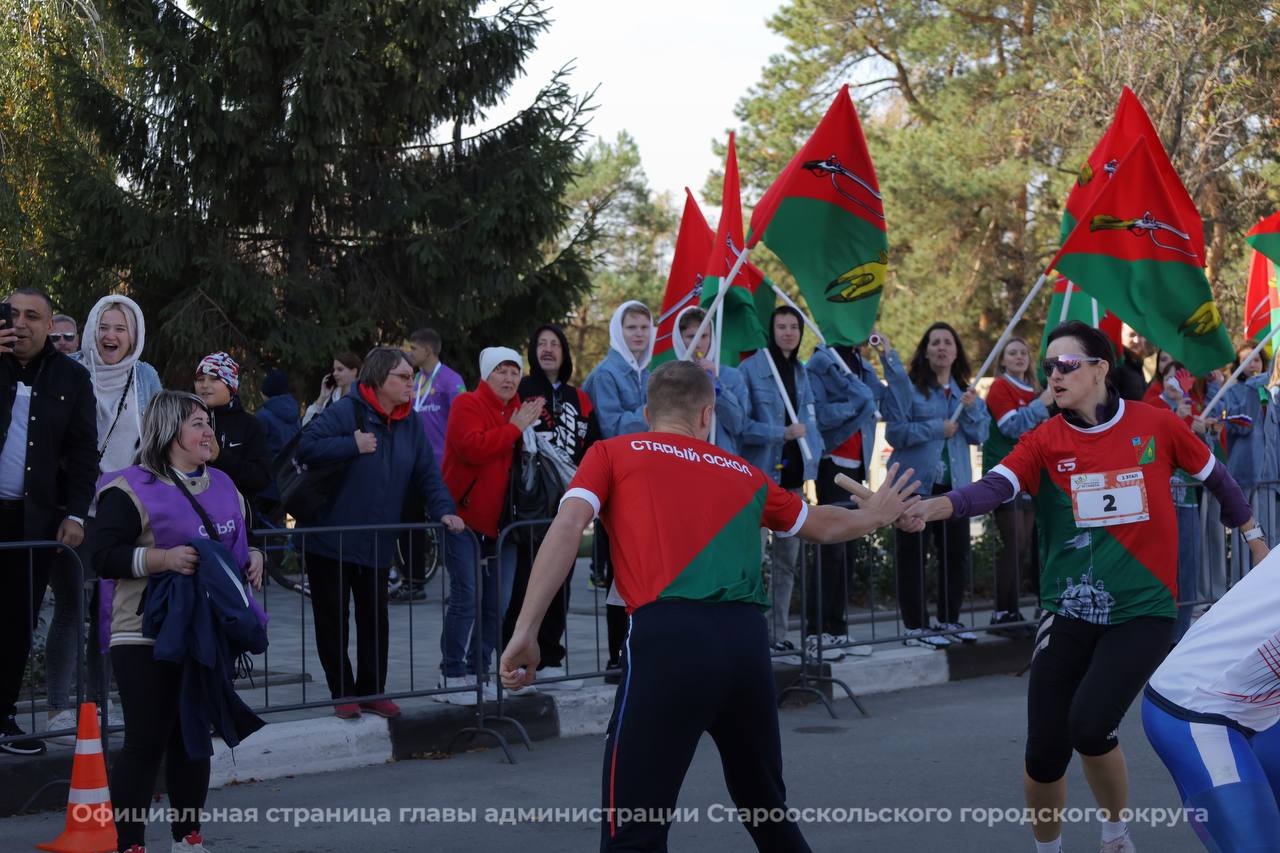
{"x":221,"y":366}
{"x":275,"y":383}
{"x":491,"y":357}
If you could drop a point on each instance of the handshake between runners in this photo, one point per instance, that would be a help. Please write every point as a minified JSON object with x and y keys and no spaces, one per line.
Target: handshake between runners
{"x":892,"y":502}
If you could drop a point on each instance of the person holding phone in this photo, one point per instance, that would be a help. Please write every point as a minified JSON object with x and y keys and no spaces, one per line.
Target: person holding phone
{"x":48,"y":467}
{"x":335,"y":385}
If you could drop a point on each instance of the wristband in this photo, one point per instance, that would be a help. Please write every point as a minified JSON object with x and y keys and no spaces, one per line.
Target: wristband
{"x":1252,"y":533}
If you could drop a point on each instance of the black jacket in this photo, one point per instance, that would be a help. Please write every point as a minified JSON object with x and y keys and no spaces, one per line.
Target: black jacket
{"x":242,"y":448}
{"x":62,"y":437}
{"x":1129,"y":378}
{"x":568,"y":415}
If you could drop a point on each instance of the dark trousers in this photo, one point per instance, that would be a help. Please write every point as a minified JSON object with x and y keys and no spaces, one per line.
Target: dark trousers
{"x":550,"y":648}
{"x":830,"y":575}
{"x":1016,"y":521}
{"x":150,"y":693}
{"x":615,"y":616}
{"x":333,"y":586}
{"x":951,"y":547}
{"x":694,"y":667}
{"x":413,"y":543}
{"x":26,"y":575}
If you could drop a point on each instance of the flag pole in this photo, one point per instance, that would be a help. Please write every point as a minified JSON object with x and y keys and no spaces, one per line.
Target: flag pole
{"x":786,"y":401}
{"x":1208,"y":409}
{"x":808,"y":322}
{"x":1066,"y":303}
{"x":717,"y":332}
{"x":1004,"y":336}
{"x":720,"y":294}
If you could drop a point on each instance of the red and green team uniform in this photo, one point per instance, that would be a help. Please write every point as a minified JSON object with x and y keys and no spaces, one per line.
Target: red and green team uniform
{"x":683,"y":517}
{"x":1005,"y":397}
{"x":1107,"y":574}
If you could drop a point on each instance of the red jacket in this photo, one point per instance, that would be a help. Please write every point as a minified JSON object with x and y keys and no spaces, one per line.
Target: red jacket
{"x":479,"y":447}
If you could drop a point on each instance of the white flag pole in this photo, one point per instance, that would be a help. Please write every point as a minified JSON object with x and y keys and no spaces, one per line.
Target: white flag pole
{"x":720,"y":294}
{"x":1208,"y":409}
{"x":808,"y":322}
{"x":1004,"y":336}
{"x":786,"y":401}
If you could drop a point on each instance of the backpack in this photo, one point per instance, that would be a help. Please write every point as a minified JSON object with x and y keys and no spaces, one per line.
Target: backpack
{"x":305,"y":491}
{"x":536,"y":488}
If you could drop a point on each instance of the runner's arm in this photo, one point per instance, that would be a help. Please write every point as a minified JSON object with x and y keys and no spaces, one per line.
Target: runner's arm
{"x":831,"y":524}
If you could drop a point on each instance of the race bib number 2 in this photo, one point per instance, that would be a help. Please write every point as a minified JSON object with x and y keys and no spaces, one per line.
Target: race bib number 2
{"x":1112,"y":497}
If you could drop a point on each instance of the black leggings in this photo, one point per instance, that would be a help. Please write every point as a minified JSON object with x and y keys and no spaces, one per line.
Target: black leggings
{"x":150,"y":693}
{"x":694,"y":667}
{"x":1083,"y":679}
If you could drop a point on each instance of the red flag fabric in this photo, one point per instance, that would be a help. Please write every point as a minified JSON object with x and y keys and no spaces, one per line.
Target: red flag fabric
{"x":684,"y":282}
{"x":729,"y":228}
{"x":1129,"y":124}
{"x":1260,"y":302}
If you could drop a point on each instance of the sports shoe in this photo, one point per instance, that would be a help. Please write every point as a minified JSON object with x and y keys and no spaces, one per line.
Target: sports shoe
{"x":491,"y":689}
{"x":63,"y":719}
{"x":30,"y":746}
{"x":1004,"y":617}
{"x":828,"y":653}
{"x":784,"y":651}
{"x":192,"y":843}
{"x":860,"y":651}
{"x":382,"y":708}
{"x":347,"y":711}
{"x":408,"y":594}
{"x":915,"y":637}
{"x":1123,"y":844}
{"x":557,"y":672}
{"x":962,"y":633}
{"x":465,"y":698}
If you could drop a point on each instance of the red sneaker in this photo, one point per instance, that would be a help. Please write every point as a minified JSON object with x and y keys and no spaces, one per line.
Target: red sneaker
{"x":382,"y":707}
{"x":349,"y":711}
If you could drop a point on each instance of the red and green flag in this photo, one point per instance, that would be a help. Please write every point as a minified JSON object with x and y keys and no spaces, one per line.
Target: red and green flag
{"x":741,"y":331}
{"x":684,"y":282}
{"x":1134,"y":250}
{"x":1265,"y":238}
{"x":1261,"y":303}
{"x":1129,"y":124}
{"x":824,"y":218}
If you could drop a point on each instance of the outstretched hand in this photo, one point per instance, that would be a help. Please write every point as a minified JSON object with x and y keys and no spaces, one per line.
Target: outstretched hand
{"x":895,"y":495}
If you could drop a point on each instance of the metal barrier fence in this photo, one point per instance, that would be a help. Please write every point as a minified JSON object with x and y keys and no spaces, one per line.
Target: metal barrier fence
{"x":867,"y":572}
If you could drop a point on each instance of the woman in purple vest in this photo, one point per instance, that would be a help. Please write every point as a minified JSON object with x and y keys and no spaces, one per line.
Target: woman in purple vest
{"x":143,"y":525}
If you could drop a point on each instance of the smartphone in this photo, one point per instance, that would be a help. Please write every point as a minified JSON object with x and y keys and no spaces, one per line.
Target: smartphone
{"x":6,"y":314}
{"x":328,"y":380}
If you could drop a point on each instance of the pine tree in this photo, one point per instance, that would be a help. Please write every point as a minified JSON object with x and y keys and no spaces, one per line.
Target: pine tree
{"x":292,"y":179}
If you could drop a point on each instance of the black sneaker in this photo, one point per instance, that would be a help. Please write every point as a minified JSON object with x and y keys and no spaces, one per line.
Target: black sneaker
{"x":613,"y":678}
{"x":30,"y":746}
{"x":1004,"y":617}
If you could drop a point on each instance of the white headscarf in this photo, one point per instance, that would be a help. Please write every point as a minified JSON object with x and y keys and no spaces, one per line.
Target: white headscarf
{"x":618,"y":343}
{"x":677,"y":339}
{"x":117,"y":445}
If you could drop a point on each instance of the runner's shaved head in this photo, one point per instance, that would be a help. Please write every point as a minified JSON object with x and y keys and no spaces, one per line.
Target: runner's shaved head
{"x":679,"y":390}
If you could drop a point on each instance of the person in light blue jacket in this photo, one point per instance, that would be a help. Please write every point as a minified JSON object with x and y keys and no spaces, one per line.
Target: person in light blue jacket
{"x":618,"y":389}
{"x":617,"y":386}
{"x":917,"y":424}
{"x":771,"y":442}
{"x":731,"y":391}
{"x":1253,"y":437}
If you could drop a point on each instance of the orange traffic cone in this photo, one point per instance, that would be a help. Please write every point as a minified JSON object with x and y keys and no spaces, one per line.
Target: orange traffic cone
{"x":91,"y":826}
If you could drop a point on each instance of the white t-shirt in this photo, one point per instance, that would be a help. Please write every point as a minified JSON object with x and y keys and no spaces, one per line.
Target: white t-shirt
{"x":1229,"y":662}
{"x":13,"y":458}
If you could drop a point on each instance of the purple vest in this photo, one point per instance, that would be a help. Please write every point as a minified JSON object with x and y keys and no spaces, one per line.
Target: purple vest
{"x":174,"y":522}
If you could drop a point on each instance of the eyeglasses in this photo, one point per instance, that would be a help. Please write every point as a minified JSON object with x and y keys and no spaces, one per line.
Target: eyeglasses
{"x":1065,"y":364}
{"x":62,"y":336}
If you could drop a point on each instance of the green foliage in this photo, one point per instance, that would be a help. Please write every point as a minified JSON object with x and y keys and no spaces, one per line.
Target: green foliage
{"x":636,"y":239}
{"x":978,"y":115}
{"x":285,"y":181}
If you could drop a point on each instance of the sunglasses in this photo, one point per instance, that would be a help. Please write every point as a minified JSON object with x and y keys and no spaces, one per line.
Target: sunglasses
{"x":1065,"y":364}
{"x":62,"y":336}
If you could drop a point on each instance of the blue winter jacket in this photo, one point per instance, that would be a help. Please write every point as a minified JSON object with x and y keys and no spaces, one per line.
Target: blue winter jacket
{"x":619,"y":392}
{"x":761,"y":442}
{"x":731,"y":410}
{"x":843,"y":403}
{"x":1251,"y":450}
{"x":914,"y":428}
{"x":204,"y":622}
{"x":279,"y":419}
{"x":375,"y":485}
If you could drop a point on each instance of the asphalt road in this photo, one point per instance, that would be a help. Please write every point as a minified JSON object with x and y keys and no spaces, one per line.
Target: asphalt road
{"x":955,"y":747}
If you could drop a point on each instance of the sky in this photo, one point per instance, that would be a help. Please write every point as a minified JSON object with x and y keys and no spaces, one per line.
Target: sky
{"x":669,"y":73}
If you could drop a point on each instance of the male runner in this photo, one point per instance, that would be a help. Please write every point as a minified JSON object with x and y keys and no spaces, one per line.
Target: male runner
{"x":683,"y":517}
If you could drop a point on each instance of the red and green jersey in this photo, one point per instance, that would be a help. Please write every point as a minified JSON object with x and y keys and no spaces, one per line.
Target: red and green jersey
{"x":1105,"y":513}
{"x":683,"y":517}
{"x":1005,"y":397}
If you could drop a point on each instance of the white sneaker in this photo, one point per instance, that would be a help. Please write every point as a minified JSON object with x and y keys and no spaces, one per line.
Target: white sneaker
{"x":860,"y":651}
{"x":557,"y":672}
{"x":64,"y":719}
{"x":490,"y":690}
{"x":193,"y":843}
{"x":447,"y":683}
{"x":914,"y":637}
{"x":828,"y":653}
{"x":963,"y":635}
{"x":784,"y":651}
{"x":1123,"y":844}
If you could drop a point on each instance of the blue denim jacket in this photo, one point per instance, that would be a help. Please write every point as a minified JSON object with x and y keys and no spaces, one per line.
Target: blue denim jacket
{"x":765,"y":421}
{"x":913,"y":426}
{"x":619,"y":393}
{"x":1249,"y":459}
{"x":731,"y":410}
{"x":846,"y":403}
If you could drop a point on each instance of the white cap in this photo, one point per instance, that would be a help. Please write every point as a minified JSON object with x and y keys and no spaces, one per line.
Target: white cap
{"x":491,"y":357}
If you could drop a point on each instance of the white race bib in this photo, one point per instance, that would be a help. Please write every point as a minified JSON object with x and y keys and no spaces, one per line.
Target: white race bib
{"x":1109,"y":498}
